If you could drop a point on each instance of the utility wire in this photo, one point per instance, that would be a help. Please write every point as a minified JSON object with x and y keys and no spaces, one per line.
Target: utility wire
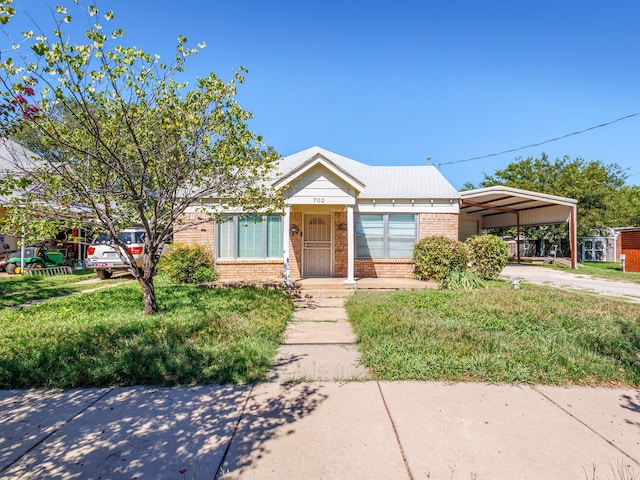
{"x":540,"y":143}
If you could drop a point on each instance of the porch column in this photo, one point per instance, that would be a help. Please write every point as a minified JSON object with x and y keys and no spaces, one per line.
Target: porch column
{"x":350,"y":247}
{"x":286,"y":225}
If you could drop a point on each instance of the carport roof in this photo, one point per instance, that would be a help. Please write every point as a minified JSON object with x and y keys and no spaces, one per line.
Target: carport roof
{"x":486,"y":201}
{"x":501,"y":206}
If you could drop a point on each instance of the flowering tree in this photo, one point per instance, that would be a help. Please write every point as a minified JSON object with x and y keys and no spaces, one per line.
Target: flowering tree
{"x":122,"y":142}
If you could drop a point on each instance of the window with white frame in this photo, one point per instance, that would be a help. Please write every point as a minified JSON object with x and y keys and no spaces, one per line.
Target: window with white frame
{"x":385,"y":235}
{"x":250,"y":236}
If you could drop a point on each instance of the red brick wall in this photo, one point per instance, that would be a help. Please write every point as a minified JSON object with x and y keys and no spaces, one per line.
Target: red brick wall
{"x":197,"y":235}
{"x":340,"y":244}
{"x":630,"y":246}
{"x":438,"y":224}
{"x":295,"y":246}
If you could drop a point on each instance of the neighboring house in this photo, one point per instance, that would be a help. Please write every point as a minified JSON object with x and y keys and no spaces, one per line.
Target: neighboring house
{"x":627,"y":242}
{"x":342,"y":219}
{"x":11,"y":155}
{"x":611,"y":244}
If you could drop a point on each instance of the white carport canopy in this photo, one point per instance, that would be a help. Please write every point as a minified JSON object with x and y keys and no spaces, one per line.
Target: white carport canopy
{"x":502,"y":207}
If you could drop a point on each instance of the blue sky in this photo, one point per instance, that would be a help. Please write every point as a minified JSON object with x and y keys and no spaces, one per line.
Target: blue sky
{"x":391,"y":83}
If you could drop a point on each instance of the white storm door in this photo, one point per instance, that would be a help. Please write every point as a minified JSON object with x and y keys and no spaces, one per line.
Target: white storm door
{"x":317,"y":245}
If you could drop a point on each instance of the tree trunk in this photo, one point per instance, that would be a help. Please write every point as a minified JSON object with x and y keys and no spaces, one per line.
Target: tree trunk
{"x":149,"y":295}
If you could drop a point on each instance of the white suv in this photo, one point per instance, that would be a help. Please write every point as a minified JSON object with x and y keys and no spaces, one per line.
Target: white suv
{"x":102,"y":257}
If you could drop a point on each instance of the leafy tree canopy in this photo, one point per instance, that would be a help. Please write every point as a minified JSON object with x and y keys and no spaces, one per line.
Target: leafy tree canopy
{"x":603,"y":198}
{"x":121,"y":141}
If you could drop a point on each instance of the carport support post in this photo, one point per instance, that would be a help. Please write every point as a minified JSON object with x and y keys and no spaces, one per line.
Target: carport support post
{"x":573,"y":235}
{"x":518,"y":234}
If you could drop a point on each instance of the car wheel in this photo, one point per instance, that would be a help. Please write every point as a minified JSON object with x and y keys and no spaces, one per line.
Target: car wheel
{"x":35,"y":266}
{"x":11,"y":269}
{"x":103,"y":274}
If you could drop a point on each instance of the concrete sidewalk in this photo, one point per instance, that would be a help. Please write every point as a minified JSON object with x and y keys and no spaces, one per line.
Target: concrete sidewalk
{"x":357,"y":430}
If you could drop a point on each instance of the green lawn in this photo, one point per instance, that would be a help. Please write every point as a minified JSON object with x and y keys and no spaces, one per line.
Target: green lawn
{"x":19,"y":290}
{"x":103,"y":338}
{"x":534,"y":335}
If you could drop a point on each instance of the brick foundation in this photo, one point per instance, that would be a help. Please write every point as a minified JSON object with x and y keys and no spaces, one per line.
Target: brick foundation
{"x":383,"y":268}
{"x":249,"y":269}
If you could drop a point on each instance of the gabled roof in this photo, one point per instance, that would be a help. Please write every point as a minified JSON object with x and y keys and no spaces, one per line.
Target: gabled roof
{"x":319,"y":159}
{"x":389,"y":182}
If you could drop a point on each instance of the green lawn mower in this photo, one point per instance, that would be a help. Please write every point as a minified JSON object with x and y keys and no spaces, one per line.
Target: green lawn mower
{"x":36,"y":258}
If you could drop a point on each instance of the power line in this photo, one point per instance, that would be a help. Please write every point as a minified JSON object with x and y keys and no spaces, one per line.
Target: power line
{"x":541,"y":143}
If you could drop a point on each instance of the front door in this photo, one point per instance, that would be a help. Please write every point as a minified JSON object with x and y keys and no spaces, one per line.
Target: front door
{"x":317,"y":247}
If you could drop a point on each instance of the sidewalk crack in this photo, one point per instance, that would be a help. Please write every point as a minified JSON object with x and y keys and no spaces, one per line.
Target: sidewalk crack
{"x":55,"y":430}
{"x":590,"y":428}
{"x":219,"y":470}
{"x":395,"y":432}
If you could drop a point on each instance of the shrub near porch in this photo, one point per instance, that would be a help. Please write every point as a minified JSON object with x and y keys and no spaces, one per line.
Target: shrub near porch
{"x":533,"y":335}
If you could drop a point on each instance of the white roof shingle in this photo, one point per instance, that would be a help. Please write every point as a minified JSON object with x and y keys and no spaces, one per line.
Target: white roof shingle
{"x":389,"y":182}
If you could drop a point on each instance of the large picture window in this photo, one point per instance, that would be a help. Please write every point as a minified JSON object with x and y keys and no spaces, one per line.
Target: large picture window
{"x":250,"y":236}
{"x":385,"y":235}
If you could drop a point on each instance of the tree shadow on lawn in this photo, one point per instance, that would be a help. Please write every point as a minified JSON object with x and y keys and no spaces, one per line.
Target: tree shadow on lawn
{"x":143,"y":432}
{"x":35,"y":292}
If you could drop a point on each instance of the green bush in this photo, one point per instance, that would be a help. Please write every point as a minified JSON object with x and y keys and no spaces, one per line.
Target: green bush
{"x":488,"y":255}
{"x":435,"y":258}
{"x":188,"y":264}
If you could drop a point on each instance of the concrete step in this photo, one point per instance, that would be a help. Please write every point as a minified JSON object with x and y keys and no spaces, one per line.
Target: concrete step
{"x":325,"y":293}
{"x":317,"y":363}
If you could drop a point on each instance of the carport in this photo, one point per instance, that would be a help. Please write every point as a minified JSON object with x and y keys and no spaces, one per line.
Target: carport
{"x":504,"y":207}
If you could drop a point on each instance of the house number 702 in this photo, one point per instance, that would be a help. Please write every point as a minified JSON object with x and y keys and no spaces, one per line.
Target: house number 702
{"x":318,"y":199}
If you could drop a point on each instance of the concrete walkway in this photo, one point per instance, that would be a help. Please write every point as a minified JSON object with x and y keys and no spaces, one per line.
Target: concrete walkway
{"x":319,"y":343}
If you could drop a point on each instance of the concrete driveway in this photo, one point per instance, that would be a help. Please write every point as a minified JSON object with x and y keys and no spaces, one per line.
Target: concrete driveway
{"x":561,"y":279}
